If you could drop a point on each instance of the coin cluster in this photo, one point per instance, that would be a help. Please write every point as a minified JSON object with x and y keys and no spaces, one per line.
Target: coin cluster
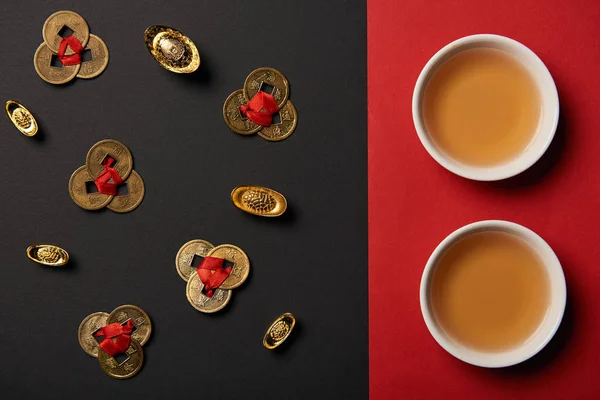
{"x":195,"y":291}
{"x":104,"y":156}
{"x":90,"y":331}
{"x":273,"y":82}
{"x":80,"y":42}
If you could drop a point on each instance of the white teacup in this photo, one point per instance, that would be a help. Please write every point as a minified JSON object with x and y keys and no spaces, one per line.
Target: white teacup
{"x":546,"y":126}
{"x":548,"y":326}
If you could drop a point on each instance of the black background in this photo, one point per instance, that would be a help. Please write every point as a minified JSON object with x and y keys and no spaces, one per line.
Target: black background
{"x":312,"y":261}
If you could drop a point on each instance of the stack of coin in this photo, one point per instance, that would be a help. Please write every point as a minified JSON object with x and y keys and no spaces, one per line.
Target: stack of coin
{"x":240,"y":268}
{"x":272,"y":82}
{"x":89,"y":339}
{"x":96,"y":166}
{"x":59,"y":27}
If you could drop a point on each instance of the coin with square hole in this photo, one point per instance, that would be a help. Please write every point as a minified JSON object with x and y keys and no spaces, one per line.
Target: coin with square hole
{"x":62,"y":24}
{"x":98,"y":53}
{"x":200,"y":301}
{"x":109,"y":148}
{"x":141,"y":320}
{"x":126,"y":368}
{"x":268,"y":80}
{"x":134,"y":196}
{"x":50,"y":69}
{"x":185,"y":257}
{"x":90,"y":325}
{"x":240,"y":264}
{"x":282,"y":129}
{"x":80,"y":186}
{"x":234,"y":118}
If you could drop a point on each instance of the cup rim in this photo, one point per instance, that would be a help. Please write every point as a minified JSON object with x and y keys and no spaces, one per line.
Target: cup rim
{"x":519,"y":163}
{"x":548,"y":326}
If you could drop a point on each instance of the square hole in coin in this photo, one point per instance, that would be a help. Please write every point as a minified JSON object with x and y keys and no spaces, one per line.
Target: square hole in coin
{"x":276,"y":119}
{"x":122,"y":189}
{"x":265,"y":87}
{"x":113,"y":163}
{"x":196,"y":261}
{"x":121,"y":358}
{"x":90,"y":187}
{"x":65,"y":31}
{"x":55,"y":62}
{"x":86,"y":55}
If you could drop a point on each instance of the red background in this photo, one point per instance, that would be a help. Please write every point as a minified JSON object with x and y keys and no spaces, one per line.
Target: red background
{"x":414,"y":203}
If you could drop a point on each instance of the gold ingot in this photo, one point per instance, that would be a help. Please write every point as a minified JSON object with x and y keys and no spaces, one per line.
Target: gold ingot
{"x":259,"y":200}
{"x":51,"y":31}
{"x":260,"y":77}
{"x":90,"y":325}
{"x":185,"y":256}
{"x":279,"y":331}
{"x":21,"y":117}
{"x":288,"y":119}
{"x":141,"y":321}
{"x":48,"y":254}
{"x":136,"y":190}
{"x":172,"y":49}
{"x":126,"y":369}
{"x":42,"y":61}
{"x":97,"y":65}
{"x":234,"y":118}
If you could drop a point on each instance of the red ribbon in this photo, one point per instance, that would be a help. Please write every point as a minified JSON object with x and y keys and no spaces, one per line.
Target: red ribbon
{"x":260,"y":109}
{"x":122,"y":333}
{"x":75,"y":45}
{"x":102,"y":181}
{"x":212,"y":274}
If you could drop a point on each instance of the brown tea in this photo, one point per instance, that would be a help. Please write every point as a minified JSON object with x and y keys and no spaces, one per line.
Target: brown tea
{"x":489,"y":291}
{"x":481,"y":107}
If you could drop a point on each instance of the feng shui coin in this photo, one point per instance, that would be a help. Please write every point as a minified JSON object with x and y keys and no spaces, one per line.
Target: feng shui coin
{"x":97,"y":65}
{"x":240,"y":261}
{"x":109,"y":147}
{"x":288,"y":119}
{"x":78,"y":191}
{"x":141,"y":320}
{"x":42,"y":61}
{"x":126,"y":369}
{"x":259,"y":200}
{"x":185,"y":256}
{"x":87,"y":328}
{"x":261,"y":79}
{"x":172,"y":49}
{"x":279,"y":331}
{"x":20,"y":116}
{"x":234,"y":118}
{"x":48,"y":254}
{"x":135,"y":194}
{"x":203,"y":303}
{"x":58,"y":25}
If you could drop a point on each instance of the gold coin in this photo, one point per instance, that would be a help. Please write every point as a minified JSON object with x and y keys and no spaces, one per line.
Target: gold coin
{"x":87,"y":328}
{"x":200,"y":301}
{"x":172,"y":49}
{"x":185,"y":256}
{"x":234,"y":118}
{"x":42,"y":61}
{"x":114,"y":149}
{"x":126,"y":369}
{"x":21,"y":117}
{"x":239,"y":259}
{"x":97,"y":65}
{"x":79,"y":194}
{"x":259,"y":200}
{"x":141,"y":320}
{"x":48,"y":254}
{"x":136,"y":190}
{"x":288,"y":120}
{"x":279,"y":331}
{"x":259,"y":78}
{"x":51,"y":31}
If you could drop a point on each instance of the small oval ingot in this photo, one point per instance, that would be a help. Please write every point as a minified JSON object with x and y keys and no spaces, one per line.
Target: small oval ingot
{"x":172,"y":49}
{"x":279,"y":331}
{"x":259,"y":200}
{"x":21,"y":117}
{"x":48,"y":254}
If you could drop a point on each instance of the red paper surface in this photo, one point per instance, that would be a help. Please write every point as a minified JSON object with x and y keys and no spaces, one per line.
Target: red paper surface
{"x":414,"y":203}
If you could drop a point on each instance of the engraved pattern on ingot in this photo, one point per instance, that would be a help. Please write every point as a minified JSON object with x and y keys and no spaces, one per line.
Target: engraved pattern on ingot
{"x":141,"y":320}
{"x":97,"y":65}
{"x":284,"y":129}
{"x":200,"y":301}
{"x":87,"y":328}
{"x":47,"y":254}
{"x":128,"y":368}
{"x":279,"y":330}
{"x":185,"y":256}
{"x":79,"y":194}
{"x":239,"y":259}
{"x":64,"y":18}
{"x":260,"y":201}
{"x":172,"y":49}
{"x":133,"y":198}
{"x":272,"y":77}
{"x":22,"y":118}
{"x":234,"y":118}
{"x":113,"y":148}
{"x":42,"y":60}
